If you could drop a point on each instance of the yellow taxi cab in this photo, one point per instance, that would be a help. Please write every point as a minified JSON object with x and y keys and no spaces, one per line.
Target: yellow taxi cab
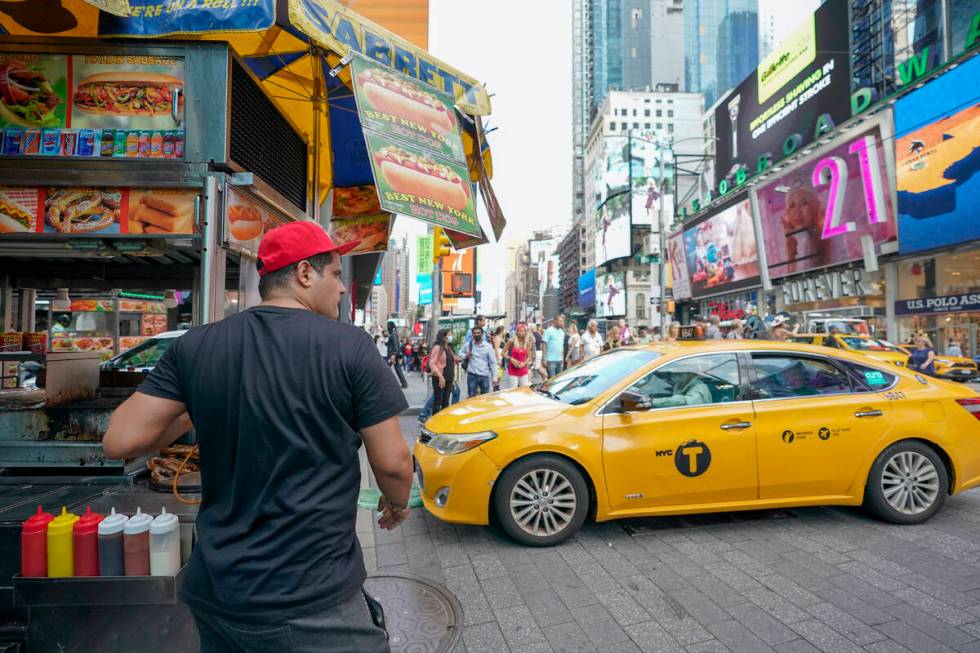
{"x":873,"y":347}
{"x":953,"y":368}
{"x":727,"y":425}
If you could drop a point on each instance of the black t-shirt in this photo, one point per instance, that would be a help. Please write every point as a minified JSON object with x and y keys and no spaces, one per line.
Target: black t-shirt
{"x":277,"y":396}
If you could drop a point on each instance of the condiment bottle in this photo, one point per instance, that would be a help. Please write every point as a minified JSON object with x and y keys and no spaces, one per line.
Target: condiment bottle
{"x":86,"y":543}
{"x":164,"y":545}
{"x":61,"y":562}
{"x":111,"y":544}
{"x":136,"y":544}
{"x":34,"y":545}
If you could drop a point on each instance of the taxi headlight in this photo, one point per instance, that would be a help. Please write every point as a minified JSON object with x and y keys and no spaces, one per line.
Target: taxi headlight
{"x":944,"y":361}
{"x":449,"y":444}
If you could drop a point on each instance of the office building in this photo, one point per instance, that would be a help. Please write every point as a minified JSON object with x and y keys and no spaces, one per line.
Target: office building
{"x":721,"y":45}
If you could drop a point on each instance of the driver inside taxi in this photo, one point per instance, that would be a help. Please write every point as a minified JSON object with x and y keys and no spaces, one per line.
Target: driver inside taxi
{"x":688,"y":390}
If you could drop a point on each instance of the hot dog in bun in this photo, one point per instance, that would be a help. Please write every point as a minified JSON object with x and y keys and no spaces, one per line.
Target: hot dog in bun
{"x":128,"y":94}
{"x":13,"y":217}
{"x":418,"y":175}
{"x":387,"y":92}
{"x":244,"y":222}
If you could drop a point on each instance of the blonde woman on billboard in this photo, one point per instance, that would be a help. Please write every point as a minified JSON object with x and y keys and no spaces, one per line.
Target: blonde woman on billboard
{"x":802,"y":224}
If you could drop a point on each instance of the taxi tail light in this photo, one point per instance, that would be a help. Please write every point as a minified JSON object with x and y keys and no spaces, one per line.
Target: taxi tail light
{"x":971,"y":405}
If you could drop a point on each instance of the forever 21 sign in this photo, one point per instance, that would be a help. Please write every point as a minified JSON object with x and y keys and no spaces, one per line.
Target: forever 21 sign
{"x":943,"y":304}
{"x":834,"y":284}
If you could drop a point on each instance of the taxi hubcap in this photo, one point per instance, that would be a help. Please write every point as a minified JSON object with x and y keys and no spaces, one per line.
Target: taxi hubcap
{"x":542,"y":502}
{"x":910,"y":482}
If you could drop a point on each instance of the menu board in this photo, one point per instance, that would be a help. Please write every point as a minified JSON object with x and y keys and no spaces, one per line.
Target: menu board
{"x":100,"y":212}
{"x":246,"y":220}
{"x":107,"y":106}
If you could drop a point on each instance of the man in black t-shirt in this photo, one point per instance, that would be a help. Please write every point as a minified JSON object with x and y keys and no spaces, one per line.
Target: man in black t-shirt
{"x":281,"y":397}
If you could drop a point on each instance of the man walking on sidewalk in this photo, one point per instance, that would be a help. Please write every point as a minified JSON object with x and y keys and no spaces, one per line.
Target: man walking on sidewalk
{"x":553,"y":346}
{"x":394,"y":352}
{"x":480,"y":360}
{"x":281,"y":397}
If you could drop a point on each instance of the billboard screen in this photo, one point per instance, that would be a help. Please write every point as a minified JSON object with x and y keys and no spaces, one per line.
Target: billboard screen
{"x":720,"y":250}
{"x":679,"y":279}
{"x":610,"y":294}
{"x":817,"y":214}
{"x":645,"y":177}
{"x":612,"y":236}
{"x":937,"y":163}
{"x":808,"y":75}
{"x":612,"y":168}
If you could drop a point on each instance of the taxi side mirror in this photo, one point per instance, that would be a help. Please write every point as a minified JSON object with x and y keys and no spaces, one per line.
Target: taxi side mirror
{"x":633,"y":401}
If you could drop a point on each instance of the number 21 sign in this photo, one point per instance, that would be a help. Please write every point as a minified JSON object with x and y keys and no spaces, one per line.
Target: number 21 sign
{"x":816,"y":215}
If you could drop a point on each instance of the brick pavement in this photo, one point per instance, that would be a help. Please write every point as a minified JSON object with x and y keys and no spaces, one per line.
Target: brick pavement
{"x":825,"y":579}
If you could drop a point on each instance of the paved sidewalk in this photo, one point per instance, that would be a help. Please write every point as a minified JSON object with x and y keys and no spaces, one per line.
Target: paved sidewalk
{"x":818,"y":580}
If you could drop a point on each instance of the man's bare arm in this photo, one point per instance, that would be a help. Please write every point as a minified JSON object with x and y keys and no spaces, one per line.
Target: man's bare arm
{"x":143,"y":424}
{"x":391,"y":463}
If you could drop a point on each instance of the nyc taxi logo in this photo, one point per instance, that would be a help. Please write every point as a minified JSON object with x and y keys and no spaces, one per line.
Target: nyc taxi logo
{"x":691,"y":458}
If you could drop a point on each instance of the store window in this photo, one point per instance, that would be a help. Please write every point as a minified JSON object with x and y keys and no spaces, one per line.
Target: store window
{"x":641,"y":302}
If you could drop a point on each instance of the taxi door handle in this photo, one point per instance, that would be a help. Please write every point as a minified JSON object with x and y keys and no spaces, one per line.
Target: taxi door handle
{"x":735,"y":425}
{"x":868,"y":413}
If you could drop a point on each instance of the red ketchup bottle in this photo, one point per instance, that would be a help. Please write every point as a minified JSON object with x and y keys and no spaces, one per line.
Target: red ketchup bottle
{"x":34,"y":545}
{"x":86,"y":543}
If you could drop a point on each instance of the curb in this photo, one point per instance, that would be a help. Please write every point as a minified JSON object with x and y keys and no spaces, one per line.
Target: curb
{"x":412,"y":411}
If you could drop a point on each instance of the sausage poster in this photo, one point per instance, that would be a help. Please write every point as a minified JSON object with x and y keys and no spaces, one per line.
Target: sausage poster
{"x":397,"y":105}
{"x":412,"y":182}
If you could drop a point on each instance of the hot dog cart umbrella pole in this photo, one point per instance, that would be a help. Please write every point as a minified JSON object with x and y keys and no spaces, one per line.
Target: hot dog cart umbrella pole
{"x":262,"y":112}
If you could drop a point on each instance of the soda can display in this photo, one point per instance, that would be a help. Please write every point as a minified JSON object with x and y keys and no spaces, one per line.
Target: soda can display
{"x":86,"y":142}
{"x":50,"y":142}
{"x":69,"y":141}
{"x":12,"y":140}
{"x":32,"y":141}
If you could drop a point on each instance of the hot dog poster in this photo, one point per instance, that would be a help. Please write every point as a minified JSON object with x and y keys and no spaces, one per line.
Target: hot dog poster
{"x":398,"y":105}
{"x":412,"y":182}
{"x":97,"y":212}
{"x":246,"y":220}
{"x":118,"y":106}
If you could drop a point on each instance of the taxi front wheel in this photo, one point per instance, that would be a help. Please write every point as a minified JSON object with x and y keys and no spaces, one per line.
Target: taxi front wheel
{"x":907,"y":485}
{"x":541,"y":500}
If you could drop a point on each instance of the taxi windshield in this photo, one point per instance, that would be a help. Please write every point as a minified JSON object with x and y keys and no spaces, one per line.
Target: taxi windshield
{"x":868,"y":344}
{"x":589,"y":380}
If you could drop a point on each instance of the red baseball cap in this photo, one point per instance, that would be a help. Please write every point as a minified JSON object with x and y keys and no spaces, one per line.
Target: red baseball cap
{"x":295,"y":241}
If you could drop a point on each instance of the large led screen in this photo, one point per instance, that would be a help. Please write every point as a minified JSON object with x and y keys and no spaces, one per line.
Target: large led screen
{"x":610,"y":294}
{"x":721,"y":252}
{"x":612,"y":237}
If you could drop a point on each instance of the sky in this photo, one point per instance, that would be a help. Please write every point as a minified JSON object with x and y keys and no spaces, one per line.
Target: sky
{"x":525,"y":60}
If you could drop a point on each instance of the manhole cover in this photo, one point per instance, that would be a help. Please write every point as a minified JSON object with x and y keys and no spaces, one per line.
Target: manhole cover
{"x":421,"y":615}
{"x":648,"y":525}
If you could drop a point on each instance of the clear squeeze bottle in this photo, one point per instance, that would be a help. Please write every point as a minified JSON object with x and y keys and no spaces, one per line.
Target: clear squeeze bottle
{"x":136,"y":544}
{"x":111,"y":545}
{"x":61,"y":563}
{"x":86,"y":543}
{"x":34,"y":545}
{"x":164,"y":545}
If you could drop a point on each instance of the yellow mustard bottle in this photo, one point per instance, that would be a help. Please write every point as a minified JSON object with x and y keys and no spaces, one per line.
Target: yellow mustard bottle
{"x":61,"y":560}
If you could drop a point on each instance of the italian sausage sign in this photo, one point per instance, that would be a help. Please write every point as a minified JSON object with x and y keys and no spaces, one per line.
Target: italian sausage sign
{"x":412,"y":136}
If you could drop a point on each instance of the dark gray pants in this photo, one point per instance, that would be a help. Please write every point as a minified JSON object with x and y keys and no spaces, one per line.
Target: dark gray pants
{"x":344,"y":628}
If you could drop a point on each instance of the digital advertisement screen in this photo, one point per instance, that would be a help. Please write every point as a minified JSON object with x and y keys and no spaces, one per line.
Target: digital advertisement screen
{"x":938,"y":162}
{"x":806,"y":76}
{"x":721,"y":251}
{"x":645,"y":179}
{"x":586,"y":289}
{"x":679,"y":279}
{"x":611,"y":168}
{"x":816,"y":215}
{"x":610,"y":294}
{"x":612,"y":238}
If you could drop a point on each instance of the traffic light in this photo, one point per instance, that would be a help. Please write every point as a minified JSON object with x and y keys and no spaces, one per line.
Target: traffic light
{"x":440,"y":244}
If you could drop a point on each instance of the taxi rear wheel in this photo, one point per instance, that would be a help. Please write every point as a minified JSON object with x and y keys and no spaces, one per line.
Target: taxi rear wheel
{"x":908,"y":484}
{"x":541,"y":500}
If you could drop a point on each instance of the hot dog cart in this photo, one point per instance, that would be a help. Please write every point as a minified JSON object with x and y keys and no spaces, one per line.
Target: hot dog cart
{"x":155,"y":166}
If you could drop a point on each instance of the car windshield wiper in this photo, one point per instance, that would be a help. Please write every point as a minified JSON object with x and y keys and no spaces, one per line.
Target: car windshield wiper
{"x":547,"y":393}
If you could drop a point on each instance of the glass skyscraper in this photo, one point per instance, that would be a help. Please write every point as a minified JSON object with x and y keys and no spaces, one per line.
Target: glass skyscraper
{"x":721,"y":45}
